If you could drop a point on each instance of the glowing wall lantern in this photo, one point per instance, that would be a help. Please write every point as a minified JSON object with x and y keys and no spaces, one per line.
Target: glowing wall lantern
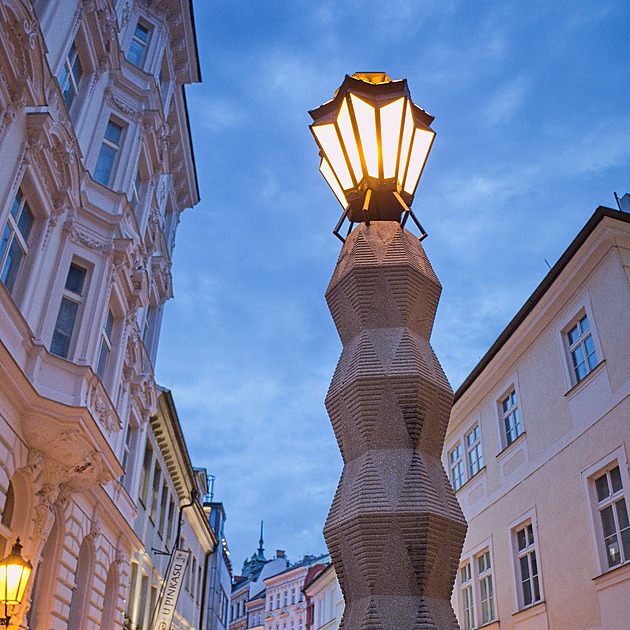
{"x":14,"y":574}
{"x":374,"y":142}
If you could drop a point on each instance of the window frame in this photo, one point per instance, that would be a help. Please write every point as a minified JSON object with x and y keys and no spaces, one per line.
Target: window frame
{"x":580,"y":344}
{"x":70,"y":79}
{"x":472,"y":586}
{"x":456,"y":463}
{"x":111,"y":145}
{"x":11,"y":228}
{"x":521,"y":524}
{"x":70,"y":296}
{"x":615,"y":458}
{"x":144,"y":44}
{"x":106,"y":345}
{"x":578,"y":309}
{"x":477,"y":447}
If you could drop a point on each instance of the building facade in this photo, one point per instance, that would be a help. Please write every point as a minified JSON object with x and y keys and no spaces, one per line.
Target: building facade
{"x":220,"y":575}
{"x":285,"y":602}
{"x":97,"y":166}
{"x":324,"y":600}
{"x":537,"y":450}
{"x":170,"y":516}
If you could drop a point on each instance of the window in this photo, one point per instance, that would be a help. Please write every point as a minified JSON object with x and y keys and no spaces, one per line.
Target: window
{"x":106,"y":345}
{"x":286,"y":598}
{"x":139,"y":44}
{"x":70,"y":76}
{"x":136,"y":192}
{"x":15,"y":240}
{"x":613,"y":516}
{"x":146,"y":471}
{"x":171,"y":519}
{"x":126,"y":451}
{"x":581,"y":349}
{"x":456,"y":465}
{"x":476,"y":591}
{"x":473,"y":451}
{"x":163,"y":509}
{"x":109,"y":151}
{"x":510,"y":418}
{"x":68,"y":311}
{"x":466,"y":590}
{"x":157,"y":479}
{"x":527,"y":565}
{"x":486,"y":588}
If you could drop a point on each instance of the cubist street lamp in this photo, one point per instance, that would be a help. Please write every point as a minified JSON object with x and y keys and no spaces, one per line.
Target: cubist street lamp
{"x":395,"y":530}
{"x":374,"y":142}
{"x":14,"y":575}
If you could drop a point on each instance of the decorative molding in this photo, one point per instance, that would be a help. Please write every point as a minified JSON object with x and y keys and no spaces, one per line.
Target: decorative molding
{"x":121,"y":106}
{"x":34,"y":463}
{"x":103,"y":411}
{"x":82,"y":238}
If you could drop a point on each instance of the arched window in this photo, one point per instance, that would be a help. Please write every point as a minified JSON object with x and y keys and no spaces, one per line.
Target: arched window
{"x":9,"y":503}
{"x":45,"y":576}
{"x":110,"y":599}
{"x":80,"y":594}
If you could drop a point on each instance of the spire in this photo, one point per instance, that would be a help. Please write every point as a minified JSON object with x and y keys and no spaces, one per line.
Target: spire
{"x":261,"y":549}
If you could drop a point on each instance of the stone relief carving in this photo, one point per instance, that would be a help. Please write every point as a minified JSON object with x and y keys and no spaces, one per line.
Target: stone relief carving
{"x":81,"y":238}
{"x":123,"y":107}
{"x":34,"y":463}
{"x":103,"y":411}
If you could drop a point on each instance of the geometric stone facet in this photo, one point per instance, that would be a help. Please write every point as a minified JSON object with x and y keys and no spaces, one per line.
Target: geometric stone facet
{"x":395,"y":530}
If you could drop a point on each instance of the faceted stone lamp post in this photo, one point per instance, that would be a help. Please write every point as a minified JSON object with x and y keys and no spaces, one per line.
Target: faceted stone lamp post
{"x":395,"y":530}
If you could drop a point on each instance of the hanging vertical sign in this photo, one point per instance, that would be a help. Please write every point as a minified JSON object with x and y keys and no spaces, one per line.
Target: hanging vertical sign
{"x":174,"y":580}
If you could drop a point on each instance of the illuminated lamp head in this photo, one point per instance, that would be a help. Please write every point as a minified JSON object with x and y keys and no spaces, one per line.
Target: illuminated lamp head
{"x":374,"y":142}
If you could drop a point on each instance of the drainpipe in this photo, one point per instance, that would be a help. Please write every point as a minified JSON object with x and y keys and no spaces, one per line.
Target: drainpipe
{"x":204,"y":625}
{"x":193,"y":498}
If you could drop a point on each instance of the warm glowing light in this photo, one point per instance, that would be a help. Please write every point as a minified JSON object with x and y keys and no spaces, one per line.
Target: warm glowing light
{"x":406,"y":143}
{"x":391,"y":119}
{"x":326,"y":170}
{"x":366,"y":121}
{"x":327,"y":136}
{"x":373,"y":143}
{"x":422,"y":140}
{"x":349,"y":141}
{"x":14,"y":574}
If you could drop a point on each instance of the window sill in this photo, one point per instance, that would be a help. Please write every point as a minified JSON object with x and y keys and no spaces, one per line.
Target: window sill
{"x":491,"y":625}
{"x":580,"y":385}
{"x":532,"y":610}
{"x":613,"y":576}
{"x":503,"y":453}
{"x":468,"y":481}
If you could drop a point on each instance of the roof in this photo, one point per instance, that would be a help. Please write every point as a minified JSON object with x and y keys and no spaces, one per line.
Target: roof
{"x":598,"y":216}
{"x":315,"y":576}
{"x":307,"y":561}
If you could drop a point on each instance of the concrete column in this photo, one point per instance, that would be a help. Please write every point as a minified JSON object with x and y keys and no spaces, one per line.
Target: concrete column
{"x":395,"y":530}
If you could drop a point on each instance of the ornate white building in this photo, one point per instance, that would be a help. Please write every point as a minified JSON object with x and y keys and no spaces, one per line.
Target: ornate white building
{"x":96,"y":167}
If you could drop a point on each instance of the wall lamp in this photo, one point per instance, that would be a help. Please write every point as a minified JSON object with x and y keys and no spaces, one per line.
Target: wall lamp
{"x":14,"y":575}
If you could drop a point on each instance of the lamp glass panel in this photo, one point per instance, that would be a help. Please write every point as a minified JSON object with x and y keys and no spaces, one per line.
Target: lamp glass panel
{"x":366,"y":122}
{"x":13,"y":580}
{"x":391,"y":119}
{"x":326,"y":170}
{"x":406,"y":143}
{"x":349,"y":140}
{"x":419,"y":151}
{"x":327,"y":136}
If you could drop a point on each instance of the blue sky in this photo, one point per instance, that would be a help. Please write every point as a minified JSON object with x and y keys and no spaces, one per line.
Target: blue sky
{"x":532,"y":113}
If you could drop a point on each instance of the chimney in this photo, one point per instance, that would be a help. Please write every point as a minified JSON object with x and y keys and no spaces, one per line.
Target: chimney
{"x":280,"y":553}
